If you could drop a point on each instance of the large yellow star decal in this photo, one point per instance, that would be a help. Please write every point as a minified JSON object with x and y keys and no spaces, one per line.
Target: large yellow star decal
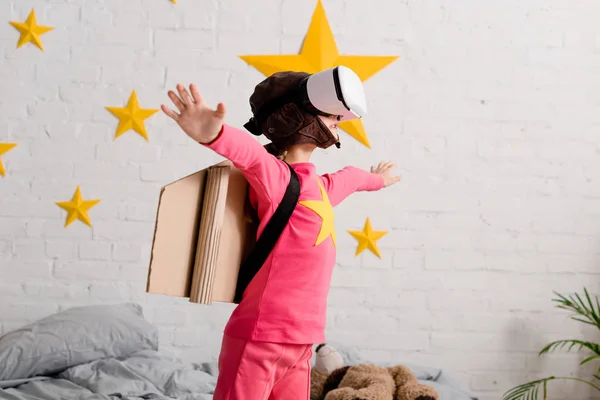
{"x":320,"y":52}
{"x":324,"y":210}
{"x":77,"y":208}
{"x":367,"y":239}
{"x":31,"y":31}
{"x":4,"y":148}
{"x":132,"y":117}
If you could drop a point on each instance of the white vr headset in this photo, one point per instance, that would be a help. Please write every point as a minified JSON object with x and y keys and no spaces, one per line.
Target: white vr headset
{"x":336,"y":92}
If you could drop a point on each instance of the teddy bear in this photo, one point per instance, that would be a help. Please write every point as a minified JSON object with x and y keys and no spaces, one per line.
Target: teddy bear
{"x":327,"y":361}
{"x":331,"y":380}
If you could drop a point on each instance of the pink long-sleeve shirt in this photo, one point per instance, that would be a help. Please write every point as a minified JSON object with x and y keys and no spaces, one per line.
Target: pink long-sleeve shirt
{"x":286,"y":302}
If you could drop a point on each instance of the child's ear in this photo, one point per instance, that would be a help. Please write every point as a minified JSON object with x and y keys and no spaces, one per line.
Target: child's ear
{"x":284,"y":122}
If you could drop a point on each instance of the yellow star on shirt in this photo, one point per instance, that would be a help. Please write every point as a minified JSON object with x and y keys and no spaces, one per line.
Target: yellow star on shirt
{"x":4,"y":148}
{"x":77,"y":208}
{"x":132,"y":117}
{"x":31,"y":31}
{"x":320,"y":52}
{"x":367,"y":239}
{"x":324,"y":210}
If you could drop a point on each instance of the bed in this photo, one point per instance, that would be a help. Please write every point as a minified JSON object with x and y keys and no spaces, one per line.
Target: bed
{"x":109,"y":352}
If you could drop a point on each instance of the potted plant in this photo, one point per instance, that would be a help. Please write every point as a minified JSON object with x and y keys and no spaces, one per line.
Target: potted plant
{"x":586,"y":311}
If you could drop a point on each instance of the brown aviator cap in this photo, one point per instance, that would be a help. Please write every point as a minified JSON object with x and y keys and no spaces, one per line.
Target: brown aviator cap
{"x":281,"y":117}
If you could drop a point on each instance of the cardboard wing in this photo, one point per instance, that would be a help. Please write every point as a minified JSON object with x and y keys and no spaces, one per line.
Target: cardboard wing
{"x":193,"y":240}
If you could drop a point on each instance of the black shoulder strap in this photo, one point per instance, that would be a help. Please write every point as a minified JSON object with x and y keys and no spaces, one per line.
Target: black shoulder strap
{"x":267,"y":240}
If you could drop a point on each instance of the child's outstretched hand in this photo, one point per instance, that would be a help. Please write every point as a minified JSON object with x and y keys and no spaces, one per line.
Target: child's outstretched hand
{"x":197,"y":120}
{"x":384,"y":169}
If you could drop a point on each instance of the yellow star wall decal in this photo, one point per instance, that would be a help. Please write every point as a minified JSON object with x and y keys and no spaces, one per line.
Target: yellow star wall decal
{"x":31,"y":31}
{"x":324,"y":210}
{"x":5,"y":148}
{"x":174,"y":1}
{"x":77,"y":208}
{"x":367,"y":239}
{"x":132,"y":117}
{"x":320,"y":52}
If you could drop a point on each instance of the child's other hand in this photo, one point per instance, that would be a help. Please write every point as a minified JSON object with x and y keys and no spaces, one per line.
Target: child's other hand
{"x":197,"y":120}
{"x":384,"y":169}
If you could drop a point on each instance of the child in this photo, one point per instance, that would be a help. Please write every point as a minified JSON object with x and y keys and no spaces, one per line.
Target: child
{"x":267,"y":345}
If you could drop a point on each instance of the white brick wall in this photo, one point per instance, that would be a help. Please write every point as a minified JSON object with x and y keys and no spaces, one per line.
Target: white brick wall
{"x":491,"y":113}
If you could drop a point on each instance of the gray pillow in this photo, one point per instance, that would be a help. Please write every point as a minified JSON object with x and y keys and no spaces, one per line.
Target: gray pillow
{"x":75,"y":336}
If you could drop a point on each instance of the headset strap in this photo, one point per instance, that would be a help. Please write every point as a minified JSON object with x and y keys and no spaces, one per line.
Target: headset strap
{"x":269,"y":237}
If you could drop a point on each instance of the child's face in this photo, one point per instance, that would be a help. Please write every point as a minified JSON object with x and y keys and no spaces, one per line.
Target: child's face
{"x":331,"y":122}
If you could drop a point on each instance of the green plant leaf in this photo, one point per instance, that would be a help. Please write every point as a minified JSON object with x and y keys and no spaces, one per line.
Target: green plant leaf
{"x":530,"y":390}
{"x":587,"y":312}
{"x":581,"y":320}
{"x":527,"y":391}
{"x":592,"y":312}
{"x":579,"y":344}
{"x":590,"y":358}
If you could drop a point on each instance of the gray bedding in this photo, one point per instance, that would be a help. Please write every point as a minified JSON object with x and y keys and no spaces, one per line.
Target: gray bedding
{"x":150,"y":375}
{"x":111,"y":352}
{"x":143,"y":375}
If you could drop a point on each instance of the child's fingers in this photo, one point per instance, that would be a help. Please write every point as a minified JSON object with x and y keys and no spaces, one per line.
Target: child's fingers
{"x":176,"y":100}
{"x":392,"y":180}
{"x":185,"y":96}
{"x":196,"y":94}
{"x":383,"y":166}
{"x":388,"y":166}
{"x":220,"y":111}
{"x":169,"y":112}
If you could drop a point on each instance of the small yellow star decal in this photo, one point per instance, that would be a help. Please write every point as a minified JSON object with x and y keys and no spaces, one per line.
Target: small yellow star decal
{"x":77,"y":208}
{"x":324,"y":210}
{"x":367,"y":239}
{"x":132,"y":117}
{"x":31,"y":31}
{"x":320,"y":52}
{"x":174,"y":1}
{"x":4,"y":148}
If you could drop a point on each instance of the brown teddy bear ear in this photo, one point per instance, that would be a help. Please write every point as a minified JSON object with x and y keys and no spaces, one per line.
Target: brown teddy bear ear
{"x":333,"y":380}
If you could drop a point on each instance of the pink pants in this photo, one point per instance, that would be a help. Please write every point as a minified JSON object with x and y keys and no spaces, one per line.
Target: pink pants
{"x":251,"y":370}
